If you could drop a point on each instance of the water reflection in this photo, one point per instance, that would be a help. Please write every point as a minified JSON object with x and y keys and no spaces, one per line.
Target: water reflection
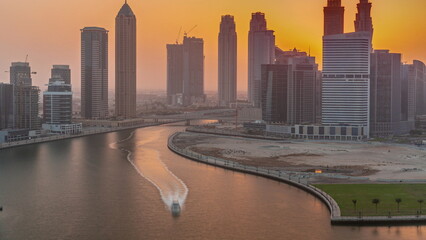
{"x":146,"y":160}
{"x":85,"y":188}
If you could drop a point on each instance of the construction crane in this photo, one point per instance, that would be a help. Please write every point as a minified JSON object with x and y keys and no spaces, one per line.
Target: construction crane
{"x":188,"y":32}
{"x":177,"y":39}
{"x":26,"y":61}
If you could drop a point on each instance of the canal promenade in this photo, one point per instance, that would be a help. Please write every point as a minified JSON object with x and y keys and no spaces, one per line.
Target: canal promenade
{"x":83,"y":134}
{"x":297,"y":180}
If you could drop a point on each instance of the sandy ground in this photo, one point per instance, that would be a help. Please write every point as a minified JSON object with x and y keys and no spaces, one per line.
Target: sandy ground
{"x":373,"y":160}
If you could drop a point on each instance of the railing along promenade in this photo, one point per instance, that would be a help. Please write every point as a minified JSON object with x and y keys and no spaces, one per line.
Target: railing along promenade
{"x":294,"y":179}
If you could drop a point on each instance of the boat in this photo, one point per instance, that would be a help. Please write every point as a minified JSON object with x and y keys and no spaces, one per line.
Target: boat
{"x":176,"y":209}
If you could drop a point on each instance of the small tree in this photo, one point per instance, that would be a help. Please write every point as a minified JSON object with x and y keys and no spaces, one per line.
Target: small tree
{"x":354,"y":202}
{"x":398,"y":201}
{"x":376,"y":202}
{"x":420,"y":201}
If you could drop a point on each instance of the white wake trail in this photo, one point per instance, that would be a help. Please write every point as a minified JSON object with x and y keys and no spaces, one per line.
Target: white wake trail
{"x":148,"y":163}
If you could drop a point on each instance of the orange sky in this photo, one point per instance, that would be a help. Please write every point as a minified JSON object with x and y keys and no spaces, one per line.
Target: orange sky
{"x":48,"y":30}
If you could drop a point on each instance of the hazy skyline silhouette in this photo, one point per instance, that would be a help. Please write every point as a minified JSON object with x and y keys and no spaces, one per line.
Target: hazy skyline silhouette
{"x":49,"y":31}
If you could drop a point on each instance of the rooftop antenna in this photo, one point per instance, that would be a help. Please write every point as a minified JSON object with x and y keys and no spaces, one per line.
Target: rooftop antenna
{"x":309,"y":50}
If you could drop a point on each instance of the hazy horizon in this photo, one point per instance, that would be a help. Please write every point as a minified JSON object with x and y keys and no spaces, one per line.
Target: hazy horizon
{"x":296,"y":24}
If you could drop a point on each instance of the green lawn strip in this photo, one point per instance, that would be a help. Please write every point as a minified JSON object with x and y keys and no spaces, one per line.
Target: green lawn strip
{"x":386,"y":193}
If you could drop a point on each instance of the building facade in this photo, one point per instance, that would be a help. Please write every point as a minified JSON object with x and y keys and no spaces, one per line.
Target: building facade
{"x":62,"y":72}
{"x":346,"y":80}
{"x":26,"y":102}
{"x":174,"y":74}
{"x":304,"y":87}
{"x":261,"y":43}
{"x":275,"y":92}
{"x":193,"y":71}
{"x":57,"y":103}
{"x":334,"y":17}
{"x":125,"y":63}
{"x":20,"y":74}
{"x":7,"y":118}
{"x":94,"y":73}
{"x":227,"y":82}
{"x":363,"y":21}
{"x":385,"y":94}
{"x":57,"y":108}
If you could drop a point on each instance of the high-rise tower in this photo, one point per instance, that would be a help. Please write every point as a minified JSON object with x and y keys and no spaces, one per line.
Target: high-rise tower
{"x":261,"y":51}
{"x":364,"y":22}
{"x":20,"y":74}
{"x":193,"y":71}
{"x":94,"y":73}
{"x":334,"y":15}
{"x":125,"y":63}
{"x":227,"y":84}
{"x":346,"y":80}
{"x":62,"y":72}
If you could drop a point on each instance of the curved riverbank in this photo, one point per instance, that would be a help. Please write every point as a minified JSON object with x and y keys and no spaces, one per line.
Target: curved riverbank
{"x":83,"y":134}
{"x":335,"y":213}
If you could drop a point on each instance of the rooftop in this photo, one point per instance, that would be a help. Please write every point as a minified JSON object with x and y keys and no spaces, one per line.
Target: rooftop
{"x":126,"y":11}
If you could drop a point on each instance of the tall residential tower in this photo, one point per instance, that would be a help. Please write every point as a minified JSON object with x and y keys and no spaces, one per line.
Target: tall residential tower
{"x":227,"y":84}
{"x":364,"y":22}
{"x":94,"y":73}
{"x":261,"y":50}
{"x":125,"y":63}
{"x":334,"y":17}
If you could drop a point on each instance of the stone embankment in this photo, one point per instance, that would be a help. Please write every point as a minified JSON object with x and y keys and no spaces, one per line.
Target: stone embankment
{"x":295,"y":180}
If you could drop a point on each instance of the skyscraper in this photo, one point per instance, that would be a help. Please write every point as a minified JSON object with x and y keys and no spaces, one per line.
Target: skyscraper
{"x":261,"y":51}
{"x":385,"y":94}
{"x":303,"y":93}
{"x":6,"y":106}
{"x":26,"y":107}
{"x":346,"y":80}
{"x":94,"y":73}
{"x":174,"y":74}
{"x":334,"y":17}
{"x":57,"y":103}
{"x":125,"y":63}
{"x":415,"y":79}
{"x":227,"y":84}
{"x":289,"y":88}
{"x":274,"y":92}
{"x":185,"y":72}
{"x":364,"y":22}
{"x":63,"y":72}
{"x":20,"y":74}
{"x":26,"y":97}
{"x":193,"y":70}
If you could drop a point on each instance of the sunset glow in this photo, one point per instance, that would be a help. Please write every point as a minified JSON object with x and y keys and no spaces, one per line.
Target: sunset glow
{"x":49,"y":31}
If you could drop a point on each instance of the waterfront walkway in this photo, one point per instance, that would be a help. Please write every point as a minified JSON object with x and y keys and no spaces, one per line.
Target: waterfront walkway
{"x":296,"y":180}
{"x":83,"y":134}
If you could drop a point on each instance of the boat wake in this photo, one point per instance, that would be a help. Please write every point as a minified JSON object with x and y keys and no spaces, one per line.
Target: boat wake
{"x":146,"y":160}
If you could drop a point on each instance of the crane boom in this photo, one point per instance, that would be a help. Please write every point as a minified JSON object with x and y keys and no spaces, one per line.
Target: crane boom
{"x":187,"y":32}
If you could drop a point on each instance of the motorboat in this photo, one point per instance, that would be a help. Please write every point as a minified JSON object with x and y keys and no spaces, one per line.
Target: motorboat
{"x":176,"y":209}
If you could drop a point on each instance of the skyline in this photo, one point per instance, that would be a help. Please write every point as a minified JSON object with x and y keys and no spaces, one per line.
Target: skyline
{"x":46,"y":49}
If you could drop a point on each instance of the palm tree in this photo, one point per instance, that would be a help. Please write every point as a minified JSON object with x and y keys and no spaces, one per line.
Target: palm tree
{"x":376,"y":201}
{"x":354,"y":202}
{"x":398,"y":201}
{"x":420,"y":201}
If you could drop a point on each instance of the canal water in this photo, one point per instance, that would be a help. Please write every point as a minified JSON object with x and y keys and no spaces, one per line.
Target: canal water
{"x":121,"y":185}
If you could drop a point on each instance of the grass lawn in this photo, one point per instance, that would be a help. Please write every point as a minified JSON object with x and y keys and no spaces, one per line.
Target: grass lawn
{"x":386,"y":193}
